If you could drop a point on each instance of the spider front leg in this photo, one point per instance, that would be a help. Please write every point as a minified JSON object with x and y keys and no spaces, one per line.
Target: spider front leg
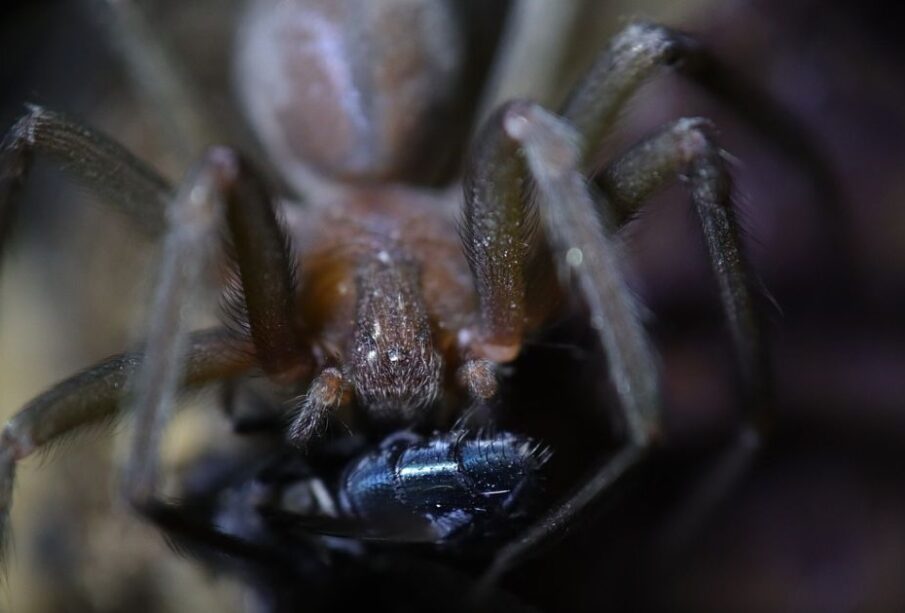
{"x":221,"y":183}
{"x":193,"y":218}
{"x":174,"y":359}
{"x":523,"y":146}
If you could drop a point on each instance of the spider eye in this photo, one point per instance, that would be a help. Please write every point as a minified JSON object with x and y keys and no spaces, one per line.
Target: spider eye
{"x":349,"y":88}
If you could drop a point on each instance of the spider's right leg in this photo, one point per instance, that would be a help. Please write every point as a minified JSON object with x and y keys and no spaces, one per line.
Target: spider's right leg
{"x":104,"y":166}
{"x":685,"y":149}
{"x":641,"y":51}
{"x":522,"y":143}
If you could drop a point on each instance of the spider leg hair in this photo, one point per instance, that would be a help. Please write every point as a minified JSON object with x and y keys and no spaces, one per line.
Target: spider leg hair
{"x":499,"y":234}
{"x":91,"y":158}
{"x":685,"y":149}
{"x":264,"y":299}
{"x":640,"y":51}
{"x":585,"y":249}
{"x":97,"y":395}
{"x":194,"y":215}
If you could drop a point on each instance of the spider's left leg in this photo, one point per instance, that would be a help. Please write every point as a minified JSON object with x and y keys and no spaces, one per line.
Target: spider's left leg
{"x":220,"y":181}
{"x":585,"y":249}
{"x":94,"y":395}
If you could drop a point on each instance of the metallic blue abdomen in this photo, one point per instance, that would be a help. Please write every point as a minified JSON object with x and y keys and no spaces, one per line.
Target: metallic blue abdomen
{"x":434,"y":489}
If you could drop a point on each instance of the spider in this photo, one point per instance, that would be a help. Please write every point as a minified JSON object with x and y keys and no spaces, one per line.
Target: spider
{"x":393,"y":304}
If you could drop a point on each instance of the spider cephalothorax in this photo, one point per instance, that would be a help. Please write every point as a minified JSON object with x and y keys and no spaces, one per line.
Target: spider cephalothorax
{"x":386,"y":297}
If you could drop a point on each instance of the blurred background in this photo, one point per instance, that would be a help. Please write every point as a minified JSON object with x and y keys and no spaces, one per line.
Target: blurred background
{"x":817,"y":524}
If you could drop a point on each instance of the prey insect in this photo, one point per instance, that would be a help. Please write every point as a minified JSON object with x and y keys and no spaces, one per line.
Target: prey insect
{"x":362,"y":292}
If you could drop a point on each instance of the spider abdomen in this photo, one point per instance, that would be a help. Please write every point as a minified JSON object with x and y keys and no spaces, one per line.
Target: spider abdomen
{"x":436,"y":489}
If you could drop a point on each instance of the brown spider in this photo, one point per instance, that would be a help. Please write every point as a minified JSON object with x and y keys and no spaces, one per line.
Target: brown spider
{"x":379,"y":294}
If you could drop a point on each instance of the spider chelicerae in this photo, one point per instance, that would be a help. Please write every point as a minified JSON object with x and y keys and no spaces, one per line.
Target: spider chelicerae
{"x":390,"y":303}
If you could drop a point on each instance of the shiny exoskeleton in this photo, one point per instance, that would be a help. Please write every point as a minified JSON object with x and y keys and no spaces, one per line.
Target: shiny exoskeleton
{"x":434,"y":489}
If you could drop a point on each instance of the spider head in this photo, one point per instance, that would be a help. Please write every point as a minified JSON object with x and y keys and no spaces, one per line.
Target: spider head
{"x":395,"y":383}
{"x":349,"y":89}
{"x":394,"y":367}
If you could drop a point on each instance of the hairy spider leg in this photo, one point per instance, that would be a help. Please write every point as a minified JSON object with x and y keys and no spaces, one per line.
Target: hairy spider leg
{"x":101,"y":164}
{"x":643,"y":49}
{"x":261,"y":247}
{"x":685,"y":149}
{"x":96,"y":395}
{"x":261,"y":250}
{"x":584,"y":249}
{"x":193,"y":219}
{"x":221,"y":183}
{"x":499,"y":231}
{"x":218,"y":184}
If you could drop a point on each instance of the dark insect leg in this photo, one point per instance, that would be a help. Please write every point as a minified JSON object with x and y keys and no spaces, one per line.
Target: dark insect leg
{"x":685,"y":149}
{"x":160,"y":78}
{"x":640,"y":50}
{"x":584,"y":247}
{"x":96,"y":395}
{"x":104,"y":166}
